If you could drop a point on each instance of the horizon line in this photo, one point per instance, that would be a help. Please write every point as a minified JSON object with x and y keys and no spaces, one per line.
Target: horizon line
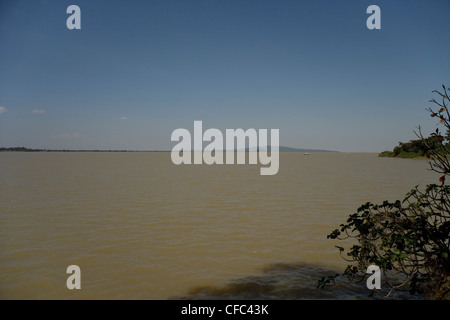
{"x":26,"y":149}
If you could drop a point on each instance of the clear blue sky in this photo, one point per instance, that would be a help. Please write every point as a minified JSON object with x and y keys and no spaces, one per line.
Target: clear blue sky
{"x":137,"y":70}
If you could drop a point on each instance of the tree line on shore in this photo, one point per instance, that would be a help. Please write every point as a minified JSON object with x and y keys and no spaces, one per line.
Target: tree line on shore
{"x":416,"y":148}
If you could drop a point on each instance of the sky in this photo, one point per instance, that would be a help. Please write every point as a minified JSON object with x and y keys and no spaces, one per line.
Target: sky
{"x":138,"y":70}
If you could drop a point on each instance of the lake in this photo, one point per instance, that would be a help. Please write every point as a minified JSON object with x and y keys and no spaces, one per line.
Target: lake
{"x":140,"y":227}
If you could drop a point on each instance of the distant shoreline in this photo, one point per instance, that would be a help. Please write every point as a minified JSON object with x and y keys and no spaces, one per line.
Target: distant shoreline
{"x":403,"y":155}
{"x":23,"y":149}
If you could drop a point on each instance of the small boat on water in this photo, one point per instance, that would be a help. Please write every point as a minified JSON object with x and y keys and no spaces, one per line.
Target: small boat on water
{"x":306,"y":154}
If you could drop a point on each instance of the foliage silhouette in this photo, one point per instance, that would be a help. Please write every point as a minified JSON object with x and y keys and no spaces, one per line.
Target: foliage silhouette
{"x":410,"y":239}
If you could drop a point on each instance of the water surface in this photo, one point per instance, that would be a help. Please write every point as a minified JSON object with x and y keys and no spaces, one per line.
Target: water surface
{"x":140,"y":227}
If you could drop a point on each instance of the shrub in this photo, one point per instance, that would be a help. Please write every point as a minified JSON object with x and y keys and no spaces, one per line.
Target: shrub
{"x":408,"y":240}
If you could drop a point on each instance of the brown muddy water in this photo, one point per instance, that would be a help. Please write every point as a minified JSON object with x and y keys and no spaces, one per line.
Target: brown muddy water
{"x":140,"y":227}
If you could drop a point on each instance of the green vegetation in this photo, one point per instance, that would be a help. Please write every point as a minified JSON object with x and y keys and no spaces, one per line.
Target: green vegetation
{"x":419,"y":148}
{"x":408,"y":240}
